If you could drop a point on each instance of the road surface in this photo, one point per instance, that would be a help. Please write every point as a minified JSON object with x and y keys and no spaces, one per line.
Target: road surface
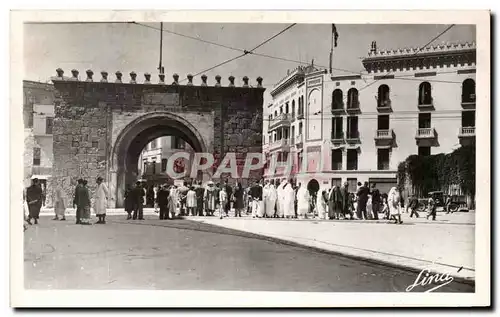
{"x":187,"y":255}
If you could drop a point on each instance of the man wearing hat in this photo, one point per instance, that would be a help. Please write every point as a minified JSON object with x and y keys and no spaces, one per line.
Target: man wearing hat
{"x":101,"y":200}
{"x":34,"y":200}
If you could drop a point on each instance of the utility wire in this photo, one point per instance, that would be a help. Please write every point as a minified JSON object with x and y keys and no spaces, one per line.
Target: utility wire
{"x":246,"y":52}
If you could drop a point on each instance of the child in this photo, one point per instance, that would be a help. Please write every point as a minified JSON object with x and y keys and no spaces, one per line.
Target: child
{"x":191,"y":201}
{"x":222,"y":201}
{"x":385,"y":208}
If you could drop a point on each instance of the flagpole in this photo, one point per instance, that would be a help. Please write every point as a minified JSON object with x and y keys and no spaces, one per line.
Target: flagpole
{"x":331,"y":51}
{"x":160,"y":67}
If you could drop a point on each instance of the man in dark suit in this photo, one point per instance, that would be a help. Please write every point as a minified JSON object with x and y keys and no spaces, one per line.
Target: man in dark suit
{"x":138,"y":193}
{"x":376,"y":202}
{"x":229,"y":191}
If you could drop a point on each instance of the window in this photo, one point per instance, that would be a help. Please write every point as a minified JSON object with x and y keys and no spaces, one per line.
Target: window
{"x":468,"y":118}
{"x":353,"y":184}
{"x":281,"y":109}
{"x":424,"y":121}
{"x":282,"y":157}
{"x":352,"y":160}
{"x":424,"y":150}
{"x":164,"y":165}
{"x":352,"y":98}
{"x":383,"y":122}
{"x":300,"y":128}
{"x":293,"y":134}
{"x":275,"y":113}
{"x":352,"y":127}
{"x":286,"y":133}
{"x":37,"y":153}
{"x":469,"y":90}
{"x":337,"y":102}
{"x":336,"y":182}
{"x":154,"y":166}
{"x":145,"y":164}
{"x":153,"y":144}
{"x":286,"y":108}
{"x":336,"y":160}
{"x":382,"y":159}
{"x":293,"y":107}
{"x":179,"y":143}
{"x":424,"y":94}
{"x":383,"y":98}
{"x":337,"y":129}
{"x":49,"y":125}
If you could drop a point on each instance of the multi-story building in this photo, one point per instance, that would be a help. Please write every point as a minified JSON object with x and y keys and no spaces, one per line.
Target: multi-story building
{"x":38,"y":115}
{"x":359,"y":127}
{"x":154,"y":157}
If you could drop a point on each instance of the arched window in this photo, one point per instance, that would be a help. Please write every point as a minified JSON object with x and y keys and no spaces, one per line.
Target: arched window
{"x":275,"y":113}
{"x":424,"y":94}
{"x":469,"y":90}
{"x":337,"y":99}
{"x":293,"y":107}
{"x":383,"y":99}
{"x":287,"y":108}
{"x":352,"y":98}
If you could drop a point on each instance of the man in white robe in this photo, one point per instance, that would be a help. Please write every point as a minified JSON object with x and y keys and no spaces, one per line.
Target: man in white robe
{"x":288,"y":200}
{"x":270,"y":199}
{"x":280,"y":200}
{"x":303,"y":200}
{"x":101,"y":200}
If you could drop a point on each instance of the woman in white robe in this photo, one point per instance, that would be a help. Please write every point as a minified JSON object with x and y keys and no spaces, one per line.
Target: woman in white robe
{"x":270,"y":199}
{"x":303,"y":200}
{"x":288,"y":200}
{"x":174,"y":199}
{"x":321,"y":205}
{"x":394,"y":203}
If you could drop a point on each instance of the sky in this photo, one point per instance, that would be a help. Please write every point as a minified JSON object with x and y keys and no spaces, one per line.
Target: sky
{"x":131,"y":47}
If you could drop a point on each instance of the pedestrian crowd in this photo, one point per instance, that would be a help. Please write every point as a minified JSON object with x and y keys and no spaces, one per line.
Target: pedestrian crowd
{"x":267,"y":199}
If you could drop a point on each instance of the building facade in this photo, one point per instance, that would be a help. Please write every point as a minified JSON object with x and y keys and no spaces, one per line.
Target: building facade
{"x":38,"y":116}
{"x":359,"y":127}
{"x":155,"y":155}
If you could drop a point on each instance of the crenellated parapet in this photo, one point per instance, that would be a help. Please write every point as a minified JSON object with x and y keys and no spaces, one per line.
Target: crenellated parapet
{"x":137,"y":91}
{"x":444,"y":55}
{"x":147,"y":79}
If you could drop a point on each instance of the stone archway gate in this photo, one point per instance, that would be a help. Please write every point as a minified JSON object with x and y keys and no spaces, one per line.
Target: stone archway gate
{"x":90,"y":117}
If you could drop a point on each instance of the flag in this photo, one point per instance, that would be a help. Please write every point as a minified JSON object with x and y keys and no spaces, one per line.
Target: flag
{"x":335,"y":34}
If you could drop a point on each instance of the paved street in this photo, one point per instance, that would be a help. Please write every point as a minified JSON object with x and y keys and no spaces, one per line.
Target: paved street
{"x":187,"y":254}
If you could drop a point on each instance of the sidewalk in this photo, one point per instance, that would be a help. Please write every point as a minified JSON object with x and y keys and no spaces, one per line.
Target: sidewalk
{"x":442,"y":247}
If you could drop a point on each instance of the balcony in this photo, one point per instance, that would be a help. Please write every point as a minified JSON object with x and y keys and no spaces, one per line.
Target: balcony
{"x":384,"y":105}
{"x":338,"y":108}
{"x":469,"y":101}
{"x":384,"y":134}
{"x":425,"y":133}
{"x":283,"y":120}
{"x":338,"y":137}
{"x":283,"y":144}
{"x":467,"y":132}
{"x":299,"y":140}
{"x":300,"y":116}
{"x":426,"y":104}
{"x":352,"y":137}
{"x":353,"y":107}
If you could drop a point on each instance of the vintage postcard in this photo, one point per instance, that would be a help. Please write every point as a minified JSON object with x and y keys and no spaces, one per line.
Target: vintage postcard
{"x":250,"y":159}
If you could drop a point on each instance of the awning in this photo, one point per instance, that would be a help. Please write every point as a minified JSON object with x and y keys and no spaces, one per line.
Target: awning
{"x":41,"y":176}
{"x":384,"y":146}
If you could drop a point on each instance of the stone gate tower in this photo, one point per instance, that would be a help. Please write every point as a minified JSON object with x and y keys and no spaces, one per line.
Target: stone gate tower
{"x":100,"y":127}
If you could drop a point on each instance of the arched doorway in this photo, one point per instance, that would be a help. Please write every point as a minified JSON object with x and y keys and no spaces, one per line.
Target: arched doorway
{"x":135,"y":136}
{"x":313,"y":186}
